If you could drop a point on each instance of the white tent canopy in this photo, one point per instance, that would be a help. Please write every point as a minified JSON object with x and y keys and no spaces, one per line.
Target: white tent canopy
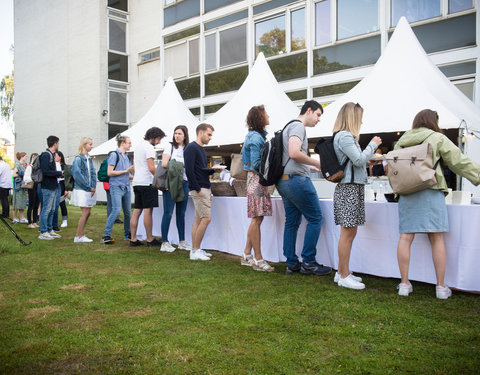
{"x":260,"y":87}
{"x":403,"y":82}
{"x":167,"y":112}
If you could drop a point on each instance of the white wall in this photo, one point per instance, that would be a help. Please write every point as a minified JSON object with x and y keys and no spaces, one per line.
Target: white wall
{"x":60,"y":73}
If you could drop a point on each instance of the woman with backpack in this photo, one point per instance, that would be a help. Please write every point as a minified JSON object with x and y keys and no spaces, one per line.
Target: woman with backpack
{"x":425,"y":211}
{"x":349,"y":195}
{"x":174,"y":151}
{"x":259,"y":203}
{"x":84,"y":193}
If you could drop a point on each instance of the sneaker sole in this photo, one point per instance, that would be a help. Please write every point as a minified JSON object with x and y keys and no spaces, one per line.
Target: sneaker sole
{"x":107,"y":242}
{"x":349,"y":287}
{"x":305,"y":272}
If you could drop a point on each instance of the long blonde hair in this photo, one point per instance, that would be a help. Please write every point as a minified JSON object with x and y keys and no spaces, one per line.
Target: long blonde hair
{"x":83,"y":142}
{"x":349,"y":118}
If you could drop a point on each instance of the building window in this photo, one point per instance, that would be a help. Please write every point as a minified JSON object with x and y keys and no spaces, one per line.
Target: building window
{"x":169,"y":2}
{"x":189,"y":88}
{"x":356,"y":17}
{"x":270,"y":36}
{"x":148,"y":56}
{"x":118,"y":4}
{"x":322,"y":23}
{"x":117,"y":110}
{"x":225,"y":80}
{"x":455,"y":6}
{"x":113,"y":130}
{"x":226,"y":47}
{"x":415,"y":10}
{"x":182,"y":60}
{"x":117,"y":31}
{"x":297,"y":32}
{"x":117,"y":67}
{"x":193,"y":57}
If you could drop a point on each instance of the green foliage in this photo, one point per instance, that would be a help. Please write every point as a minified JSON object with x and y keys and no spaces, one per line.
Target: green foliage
{"x":289,"y":67}
{"x":7,"y":92}
{"x":225,"y":80}
{"x":110,"y":309}
{"x":189,"y":88}
{"x":334,"y":89}
{"x":272,"y":42}
{"x":321,"y":64}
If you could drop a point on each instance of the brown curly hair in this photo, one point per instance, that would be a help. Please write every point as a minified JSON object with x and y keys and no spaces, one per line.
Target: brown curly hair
{"x":256,"y":118}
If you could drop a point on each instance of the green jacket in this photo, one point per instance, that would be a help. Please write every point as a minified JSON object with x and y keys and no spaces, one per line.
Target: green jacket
{"x":442,"y":148}
{"x":174,"y":181}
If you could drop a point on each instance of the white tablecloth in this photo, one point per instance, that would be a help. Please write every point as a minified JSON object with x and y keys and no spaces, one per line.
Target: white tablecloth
{"x":374,"y":249}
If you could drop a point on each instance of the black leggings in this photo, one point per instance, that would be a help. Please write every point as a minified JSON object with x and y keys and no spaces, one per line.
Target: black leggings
{"x":4,"y":199}
{"x":63,"y":205}
{"x":33,"y":203}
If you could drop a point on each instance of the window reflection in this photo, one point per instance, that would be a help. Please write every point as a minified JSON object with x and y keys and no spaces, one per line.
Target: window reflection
{"x":322,"y":22}
{"x":357,"y":17}
{"x":233,"y":45}
{"x":189,"y":88}
{"x":226,"y":80}
{"x":415,"y":10}
{"x":210,"y":52}
{"x":116,"y":36}
{"x":459,"y":5}
{"x":193,"y":57}
{"x":117,"y":67}
{"x":270,"y":36}
{"x":289,"y":67}
{"x":118,"y":107}
{"x":297,"y":34}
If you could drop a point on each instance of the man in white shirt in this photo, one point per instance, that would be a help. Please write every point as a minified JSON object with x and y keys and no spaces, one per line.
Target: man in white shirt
{"x":146,"y":196}
{"x":5,"y":186}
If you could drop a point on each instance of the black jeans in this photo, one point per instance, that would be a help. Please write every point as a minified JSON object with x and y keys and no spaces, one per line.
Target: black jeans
{"x":33,"y":203}
{"x":4,"y":199}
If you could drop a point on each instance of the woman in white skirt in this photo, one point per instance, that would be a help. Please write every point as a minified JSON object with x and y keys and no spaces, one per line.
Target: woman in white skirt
{"x":85,"y":177}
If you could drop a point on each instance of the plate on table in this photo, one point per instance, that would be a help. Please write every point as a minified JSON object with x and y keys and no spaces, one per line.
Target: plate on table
{"x":219,"y":167}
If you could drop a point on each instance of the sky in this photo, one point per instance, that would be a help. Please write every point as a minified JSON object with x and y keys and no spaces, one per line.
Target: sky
{"x":6,"y":37}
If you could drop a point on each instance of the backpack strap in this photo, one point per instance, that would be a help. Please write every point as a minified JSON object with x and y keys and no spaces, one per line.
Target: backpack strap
{"x":344,"y":165}
{"x":291,"y":121}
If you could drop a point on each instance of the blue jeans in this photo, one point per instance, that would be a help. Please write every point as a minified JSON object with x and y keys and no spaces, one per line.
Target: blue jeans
{"x":57,"y":204}
{"x":49,"y":198}
{"x":109,"y":205}
{"x":168,"y":205}
{"x":120,"y":197}
{"x":300,"y":198}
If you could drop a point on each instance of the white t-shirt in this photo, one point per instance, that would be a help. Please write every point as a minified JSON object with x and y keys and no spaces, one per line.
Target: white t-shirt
{"x":142,"y":176}
{"x":177,"y":155}
{"x":5,"y":175}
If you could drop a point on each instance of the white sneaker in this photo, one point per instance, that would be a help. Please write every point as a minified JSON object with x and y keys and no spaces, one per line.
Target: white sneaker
{"x":205,"y":253}
{"x":184,"y":246}
{"x":198,"y":255}
{"x":404,"y":289}
{"x":167,"y":247}
{"x":64,"y":224}
{"x":337,"y":277}
{"x":15,"y":220}
{"x":54,"y":235}
{"x":350,"y":282}
{"x":82,"y":239}
{"x":23,"y":221}
{"x":45,"y":236}
{"x":443,"y":292}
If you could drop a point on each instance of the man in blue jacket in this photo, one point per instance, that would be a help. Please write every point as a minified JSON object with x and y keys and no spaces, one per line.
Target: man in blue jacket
{"x":49,"y":186}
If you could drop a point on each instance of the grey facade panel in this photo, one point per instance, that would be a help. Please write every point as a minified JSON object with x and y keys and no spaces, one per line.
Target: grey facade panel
{"x":226,"y":20}
{"x":271,"y":5}
{"x":215,"y":4}
{"x":180,"y":12}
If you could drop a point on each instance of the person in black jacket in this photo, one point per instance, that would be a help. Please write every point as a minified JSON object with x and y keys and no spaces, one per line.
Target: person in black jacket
{"x":49,"y":186}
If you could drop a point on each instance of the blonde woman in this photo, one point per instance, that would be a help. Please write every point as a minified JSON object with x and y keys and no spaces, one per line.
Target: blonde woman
{"x":349,"y":196}
{"x":19,"y":201}
{"x":85,"y":177}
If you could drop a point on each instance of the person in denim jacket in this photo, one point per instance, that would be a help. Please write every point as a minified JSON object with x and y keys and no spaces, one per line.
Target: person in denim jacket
{"x":349,"y":196}
{"x":84,"y":193}
{"x":259,"y":203}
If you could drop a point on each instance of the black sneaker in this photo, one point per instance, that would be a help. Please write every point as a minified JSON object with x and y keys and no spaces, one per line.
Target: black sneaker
{"x":118,"y":221}
{"x":127,"y":237}
{"x":56,"y":229}
{"x":314,"y":268}
{"x":107,"y":239}
{"x":154,"y":242}
{"x":292,"y":269}
{"x":136,"y":243}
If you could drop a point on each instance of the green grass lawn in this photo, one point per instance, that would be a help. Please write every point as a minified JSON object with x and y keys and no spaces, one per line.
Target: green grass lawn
{"x":70,"y":308}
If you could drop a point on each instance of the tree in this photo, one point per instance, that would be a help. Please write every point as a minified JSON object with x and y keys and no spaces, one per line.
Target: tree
{"x":273,"y":42}
{"x":6,"y":96}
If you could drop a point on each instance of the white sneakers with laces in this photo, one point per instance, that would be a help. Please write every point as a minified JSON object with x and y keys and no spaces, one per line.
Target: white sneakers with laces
{"x":182,"y":245}
{"x":337,"y":277}
{"x":166,"y":247}
{"x":54,"y":235}
{"x":350,"y":282}
{"x":443,"y":292}
{"x":198,"y":255}
{"x":64,"y":224}
{"x":45,"y":236}
{"x":82,"y":239}
{"x":404,"y":289}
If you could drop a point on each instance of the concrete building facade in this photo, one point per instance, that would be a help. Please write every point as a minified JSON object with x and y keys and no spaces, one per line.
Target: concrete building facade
{"x":93,"y":68}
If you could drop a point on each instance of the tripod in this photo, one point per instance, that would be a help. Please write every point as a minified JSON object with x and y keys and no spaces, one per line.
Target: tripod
{"x":14,"y":233}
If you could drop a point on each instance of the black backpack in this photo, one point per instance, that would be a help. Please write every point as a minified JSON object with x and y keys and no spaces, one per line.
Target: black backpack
{"x":37,"y":174}
{"x":332,"y":170}
{"x":271,"y":166}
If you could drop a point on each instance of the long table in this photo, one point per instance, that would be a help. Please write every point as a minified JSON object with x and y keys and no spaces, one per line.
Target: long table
{"x":374,"y":249}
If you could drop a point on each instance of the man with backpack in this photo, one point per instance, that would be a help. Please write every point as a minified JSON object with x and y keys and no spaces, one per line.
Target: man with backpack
{"x":49,"y":188}
{"x":298,"y":193}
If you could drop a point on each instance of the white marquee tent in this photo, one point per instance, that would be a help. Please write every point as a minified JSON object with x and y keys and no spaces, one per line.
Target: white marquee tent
{"x":260,"y":87}
{"x":167,"y":112}
{"x":403,"y":82}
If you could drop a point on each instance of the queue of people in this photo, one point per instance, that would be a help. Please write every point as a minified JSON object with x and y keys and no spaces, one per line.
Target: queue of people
{"x":186,"y":167}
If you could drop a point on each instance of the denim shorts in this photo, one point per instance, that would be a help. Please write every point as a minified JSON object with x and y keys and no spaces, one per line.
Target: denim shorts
{"x":423,"y":212}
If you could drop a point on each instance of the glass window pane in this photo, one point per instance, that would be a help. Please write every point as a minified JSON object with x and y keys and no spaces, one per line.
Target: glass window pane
{"x":461,"y":69}
{"x":181,"y":34}
{"x":226,"y":80}
{"x":298,"y":29}
{"x":289,"y":67}
{"x":210,"y":52}
{"x":346,"y":55}
{"x":297,"y":95}
{"x":176,"y":61}
{"x":113,"y":130}
{"x":189,"y":88}
{"x":459,"y":5}
{"x":193,"y":57}
{"x":270,"y":36}
{"x":233,"y":45}
{"x":334,"y":89}
{"x":118,"y":107}
{"x":119,"y":4}
{"x":213,"y":108}
{"x":415,"y":10}
{"x":322,"y":23}
{"x":182,"y":10}
{"x":117,"y":67}
{"x":195,"y":111}
{"x":466,"y":88}
{"x":116,"y":35}
{"x":356,"y":17}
